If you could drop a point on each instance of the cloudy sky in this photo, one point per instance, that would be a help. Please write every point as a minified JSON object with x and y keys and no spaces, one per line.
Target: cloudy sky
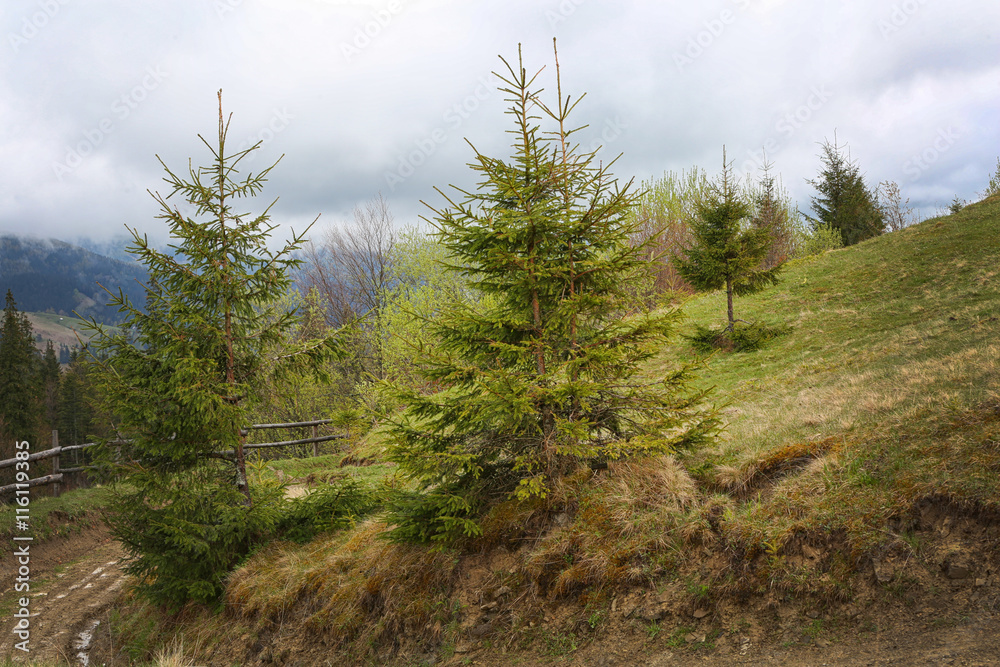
{"x":374,"y":96}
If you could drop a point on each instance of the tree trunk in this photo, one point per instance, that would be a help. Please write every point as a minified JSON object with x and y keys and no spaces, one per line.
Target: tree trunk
{"x":241,"y":466}
{"x":729,"y":300}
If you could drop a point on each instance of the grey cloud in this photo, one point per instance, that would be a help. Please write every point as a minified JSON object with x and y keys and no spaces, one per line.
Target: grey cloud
{"x":363,"y":97}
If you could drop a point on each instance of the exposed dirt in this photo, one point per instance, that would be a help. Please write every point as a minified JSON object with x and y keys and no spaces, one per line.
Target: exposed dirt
{"x":931,"y":597}
{"x":73,"y":581}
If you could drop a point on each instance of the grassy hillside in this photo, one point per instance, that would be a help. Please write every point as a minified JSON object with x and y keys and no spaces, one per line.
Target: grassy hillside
{"x":61,"y":330}
{"x":858,"y":469}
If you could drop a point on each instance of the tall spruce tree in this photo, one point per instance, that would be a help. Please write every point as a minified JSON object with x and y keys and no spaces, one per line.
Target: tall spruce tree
{"x":181,"y":373}
{"x":538,"y":378}
{"x":844,"y":202}
{"x":74,"y":413}
{"x":728,"y":250}
{"x":49,"y":372}
{"x":20,"y":407}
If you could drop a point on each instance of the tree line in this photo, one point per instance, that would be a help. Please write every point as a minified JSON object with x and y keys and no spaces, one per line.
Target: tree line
{"x":36,"y":395}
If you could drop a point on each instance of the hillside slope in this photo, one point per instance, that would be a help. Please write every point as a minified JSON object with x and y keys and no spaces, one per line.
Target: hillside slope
{"x":51,"y":276}
{"x":850,"y":512}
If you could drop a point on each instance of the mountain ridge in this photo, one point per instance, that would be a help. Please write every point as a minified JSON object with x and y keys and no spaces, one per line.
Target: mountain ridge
{"x":61,"y":278}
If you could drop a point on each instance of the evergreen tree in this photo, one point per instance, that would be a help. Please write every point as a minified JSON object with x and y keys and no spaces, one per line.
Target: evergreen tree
{"x":728,"y":250}
{"x":845,"y":203}
{"x":74,"y":412}
{"x":181,"y":375}
{"x":537,"y":378}
{"x":20,"y":408}
{"x":770,"y":210}
{"x":49,"y":381}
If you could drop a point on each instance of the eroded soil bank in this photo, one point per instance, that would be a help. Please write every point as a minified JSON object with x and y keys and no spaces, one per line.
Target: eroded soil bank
{"x":930,"y":597}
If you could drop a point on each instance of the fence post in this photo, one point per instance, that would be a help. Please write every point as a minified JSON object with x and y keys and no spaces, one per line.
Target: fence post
{"x":55,"y":463}
{"x":315,"y":444}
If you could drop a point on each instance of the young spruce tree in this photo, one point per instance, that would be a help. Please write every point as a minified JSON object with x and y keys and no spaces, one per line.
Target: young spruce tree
{"x":728,"y":250}
{"x":180,"y":373}
{"x":538,"y":378}
{"x":843,"y":201}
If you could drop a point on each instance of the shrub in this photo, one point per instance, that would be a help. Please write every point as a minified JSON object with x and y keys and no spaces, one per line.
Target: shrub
{"x":332,"y":507}
{"x":822,"y":238}
{"x":743,"y":338}
{"x":993,"y":188}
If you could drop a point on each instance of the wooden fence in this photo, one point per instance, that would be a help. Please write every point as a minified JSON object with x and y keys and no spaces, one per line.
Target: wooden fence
{"x":56,"y":476}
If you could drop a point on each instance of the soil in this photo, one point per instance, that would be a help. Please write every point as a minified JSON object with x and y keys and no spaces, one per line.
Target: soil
{"x":931,"y":599}
{"x":74,"y":580}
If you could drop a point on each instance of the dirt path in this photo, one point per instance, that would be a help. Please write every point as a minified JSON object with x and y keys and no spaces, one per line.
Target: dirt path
{"x":73,"y":582}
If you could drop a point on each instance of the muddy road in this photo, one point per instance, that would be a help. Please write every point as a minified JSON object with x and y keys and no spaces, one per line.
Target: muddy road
{"x":73,"y":581}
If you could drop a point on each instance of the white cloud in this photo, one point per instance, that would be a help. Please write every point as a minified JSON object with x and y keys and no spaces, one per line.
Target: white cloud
{"x":354,"y":92}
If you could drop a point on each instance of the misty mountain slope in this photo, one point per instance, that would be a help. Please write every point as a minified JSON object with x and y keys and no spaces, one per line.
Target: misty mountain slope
{"x":58,"y":277}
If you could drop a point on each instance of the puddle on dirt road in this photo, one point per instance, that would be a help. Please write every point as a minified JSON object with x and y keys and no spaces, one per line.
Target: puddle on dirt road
{"x":82,"y":644}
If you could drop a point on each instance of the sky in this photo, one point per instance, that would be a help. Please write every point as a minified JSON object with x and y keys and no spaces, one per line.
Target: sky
{"x":363,"y":98}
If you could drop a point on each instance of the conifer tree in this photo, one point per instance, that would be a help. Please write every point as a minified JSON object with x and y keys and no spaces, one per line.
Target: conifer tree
{"x":49,"y":373}
{"x":728,"y":251}
{"x":770,"y":210}
{"x":537,"y":378}
{"x":845,"y":203}
{"x":74,"y":417}
{"x":181,"y":374}
{"x":20,"y":408}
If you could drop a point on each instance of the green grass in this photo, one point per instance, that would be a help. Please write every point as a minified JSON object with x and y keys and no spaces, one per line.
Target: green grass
{"x":329,"y":467}
{"x":50,"y":517}
{"x":883,"y":393}
{"x":61,"y":330}
{"x":887,"y":383}
{"x":878,"y":329}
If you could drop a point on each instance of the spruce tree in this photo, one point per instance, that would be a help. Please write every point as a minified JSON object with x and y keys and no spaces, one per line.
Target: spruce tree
{"x":728,"y":251}
{"x":539,"y":376}
{"x":845,"y":203}
{"x":74,"y":417}
{"x":770,"y":210}
{"x":180,"y":375}
{"x":20,"y":407}
{"x":49,"y":373}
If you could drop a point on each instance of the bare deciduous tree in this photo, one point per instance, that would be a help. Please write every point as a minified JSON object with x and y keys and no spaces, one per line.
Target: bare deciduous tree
{"x":349,"y":267}
{"x":664,"y":214}
{"x":896,"y":212}
{"x":350,"y":271}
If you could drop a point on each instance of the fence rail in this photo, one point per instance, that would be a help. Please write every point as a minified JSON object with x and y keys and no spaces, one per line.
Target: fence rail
{"x":57,"y":472}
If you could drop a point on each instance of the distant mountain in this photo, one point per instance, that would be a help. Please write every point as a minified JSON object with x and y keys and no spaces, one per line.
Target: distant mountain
{"x":51,"y":276}
{"x":115,"y":247}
